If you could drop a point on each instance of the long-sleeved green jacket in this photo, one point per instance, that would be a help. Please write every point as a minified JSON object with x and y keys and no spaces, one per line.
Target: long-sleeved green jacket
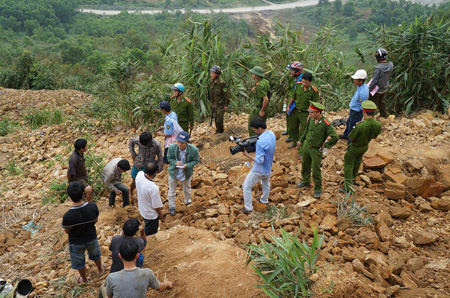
{"x":315,"y":135}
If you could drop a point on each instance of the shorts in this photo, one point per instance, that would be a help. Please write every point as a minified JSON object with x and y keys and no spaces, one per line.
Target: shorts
{"x":77,"y":251}
{"x":82,"y":181}
{"x":151,"y":226}
{"x":135,"y":171}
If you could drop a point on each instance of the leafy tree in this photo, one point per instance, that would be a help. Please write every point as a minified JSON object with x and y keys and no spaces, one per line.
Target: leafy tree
{"x":338,"y":5}
{"x":348,"y":9}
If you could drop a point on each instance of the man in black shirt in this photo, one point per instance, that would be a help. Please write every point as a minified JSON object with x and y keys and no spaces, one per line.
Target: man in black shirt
{"x":79,"y":223}
{"x":77,"y":169}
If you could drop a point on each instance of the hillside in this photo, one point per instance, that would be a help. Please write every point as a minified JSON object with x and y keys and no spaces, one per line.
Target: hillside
{"x":404,"y":253}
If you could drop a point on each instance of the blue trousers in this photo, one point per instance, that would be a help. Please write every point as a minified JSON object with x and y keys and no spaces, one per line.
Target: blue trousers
{"x":353,"y":118}
{"x":125,"y":194}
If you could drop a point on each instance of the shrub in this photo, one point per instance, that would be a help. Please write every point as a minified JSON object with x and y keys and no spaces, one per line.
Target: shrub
{"x":351,"y":210}
{"x":37,"y":118}
{"x":286,"y":265}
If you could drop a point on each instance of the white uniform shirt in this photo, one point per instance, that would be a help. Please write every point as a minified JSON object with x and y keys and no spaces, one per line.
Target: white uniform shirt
{"x":148,"y":196}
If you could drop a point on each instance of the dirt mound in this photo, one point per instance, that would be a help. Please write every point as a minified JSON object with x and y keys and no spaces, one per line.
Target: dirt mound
{"x":404,"y":184}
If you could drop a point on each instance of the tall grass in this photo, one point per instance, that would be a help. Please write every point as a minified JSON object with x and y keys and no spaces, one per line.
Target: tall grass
{"x":36,"y":117}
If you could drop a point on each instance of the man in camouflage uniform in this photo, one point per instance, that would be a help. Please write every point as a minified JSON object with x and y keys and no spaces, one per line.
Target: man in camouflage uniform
{"x":219,"y":96}
{"x":182,"y":107}
{"x":260,"y":96}
{"x":360,"y":137}
{"x":318,"y":129}
{"x":302,"y":95}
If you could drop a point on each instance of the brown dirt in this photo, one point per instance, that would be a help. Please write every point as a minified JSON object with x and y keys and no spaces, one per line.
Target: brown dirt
{"x":202,"y":253}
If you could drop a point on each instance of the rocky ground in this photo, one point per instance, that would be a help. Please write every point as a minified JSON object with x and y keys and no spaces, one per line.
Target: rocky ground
{"x":404,"y":182}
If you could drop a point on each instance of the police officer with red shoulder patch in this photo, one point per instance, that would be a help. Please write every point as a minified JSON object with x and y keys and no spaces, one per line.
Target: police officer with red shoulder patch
{"x":314,"y":139}
{"x":182,"y":107}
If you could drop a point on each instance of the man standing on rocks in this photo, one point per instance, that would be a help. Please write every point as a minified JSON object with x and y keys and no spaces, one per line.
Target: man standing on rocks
{"x":360,"y":138}
{"x":361,"y":94}
{"x":182,"y":107}
{"x":295,"y":79}
{"x":313,"y":140}
{"x":112,"y":177}
{"x":182,"y":159}
{"x":79,"y":223}
{"x":219,"y":96}
{"x":380,"y":80}
{"x":77,"y":169}
{"x":149,"y":198}
{"x":262,"y":166}
{"x":260,"y":96}
{"x":171,"y":128}
{"x":148,"y":149}
{"x":299,"y":115}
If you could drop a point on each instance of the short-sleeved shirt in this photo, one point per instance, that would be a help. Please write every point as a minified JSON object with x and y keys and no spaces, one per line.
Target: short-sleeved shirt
{"x":148,"y":197}
{"x":117,"y":240}
{"x":77,"y":168}
{"x":81,"y":221}
{"x":261,"y":90}
{"x":145,"y":153}
{"x":302,"y":97}
{"x":168,"y":123}
{"x":131,"y":283}
{"x":364,"y":132}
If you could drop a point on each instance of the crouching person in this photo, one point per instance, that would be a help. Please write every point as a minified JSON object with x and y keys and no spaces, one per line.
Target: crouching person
{"x":112,"y":177}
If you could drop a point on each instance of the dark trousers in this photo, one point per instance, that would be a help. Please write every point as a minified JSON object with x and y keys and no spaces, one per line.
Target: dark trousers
{"x":125,"y":194}
{"x":151,"y":226}
{"x":378,"y":99}
{"x":165,"y":160}
{"x":218,"y":119}
{"x":353,"y":118}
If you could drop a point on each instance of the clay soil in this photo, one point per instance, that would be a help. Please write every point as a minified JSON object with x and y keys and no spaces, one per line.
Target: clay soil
{"x":404,"y":253}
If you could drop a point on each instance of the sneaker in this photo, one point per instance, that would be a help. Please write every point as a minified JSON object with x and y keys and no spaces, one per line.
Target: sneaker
{"x":291,"y":146}
{"x":301,"y":184}
{"x":288,"y":140}
{"x":343,"y":137}
{"x":263,"y":203}
{"x":284,"y":133}
{"x":172,"y":211}
{"x":245,"y":211}
{"x":317,"y":195}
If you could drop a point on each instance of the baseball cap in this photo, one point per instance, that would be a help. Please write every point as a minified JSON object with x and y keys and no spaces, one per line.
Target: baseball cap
{"x":183,"y":137}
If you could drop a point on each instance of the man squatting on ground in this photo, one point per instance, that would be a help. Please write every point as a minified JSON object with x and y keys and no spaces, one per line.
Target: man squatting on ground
{"x":77,"y":169}
{"x":262,"y":166}
{"x":112,"y":177}
{"x":148,"y":149}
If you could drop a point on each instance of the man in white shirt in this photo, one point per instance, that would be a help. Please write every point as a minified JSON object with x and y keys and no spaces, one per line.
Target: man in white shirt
{"x":149,"y":199}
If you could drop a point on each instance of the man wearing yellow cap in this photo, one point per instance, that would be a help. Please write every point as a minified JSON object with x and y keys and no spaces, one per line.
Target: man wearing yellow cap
{"x":314,"y":139}
{"x":360,"y":137}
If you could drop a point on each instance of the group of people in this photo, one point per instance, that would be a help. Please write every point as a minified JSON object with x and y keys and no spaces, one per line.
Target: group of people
{"x":307,"y":128}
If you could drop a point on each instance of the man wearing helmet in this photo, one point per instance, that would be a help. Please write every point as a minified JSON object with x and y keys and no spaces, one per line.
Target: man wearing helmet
{"x":182,"y":107}
{"x":296,"y":69}
{"x":380,"y":80}
{"x":260,"y":95}
{"x":219,"y":96}
{"x":361,"y":94}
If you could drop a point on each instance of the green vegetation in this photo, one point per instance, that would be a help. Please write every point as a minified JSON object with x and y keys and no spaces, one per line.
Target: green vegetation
{"x":94,"y":165}
{"x":13,"y":169}
{"x":38,"y":117}
{"x":56,"y":194}
{"x":353,"y":211}
{"x":285,"y":265}
{"x":168,"y":4}
{"x":7,"y":126}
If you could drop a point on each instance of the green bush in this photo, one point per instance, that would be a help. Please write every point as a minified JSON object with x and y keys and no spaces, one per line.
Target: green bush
{"x":7,"y":126}
{"x":286,"y":265}
{"x":37,"y":117}
{"x":57,"y":193}
{"x":351,"y":210}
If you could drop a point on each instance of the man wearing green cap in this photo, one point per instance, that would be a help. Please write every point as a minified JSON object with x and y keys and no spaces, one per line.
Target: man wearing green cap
{"x":318,"y":129}
{"x":260,"y":95}
{"x":360,"y":137}
{"x":219,"y":96}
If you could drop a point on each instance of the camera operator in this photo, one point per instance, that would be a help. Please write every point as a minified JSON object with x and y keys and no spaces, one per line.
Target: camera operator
{"x":262,"y":166}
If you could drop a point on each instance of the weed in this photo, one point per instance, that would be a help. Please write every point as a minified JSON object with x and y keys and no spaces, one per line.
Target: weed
{"x":330,"y":289}
{"x":69,"y":288}
{"x":286,"y":264}
{"x":6,"y":127}
{"x":274,"y":213}
{"x":13,"y":169}
{"x":37,"y":118}
{"x":94,"y":165}
{"x":351,"y":210}
{"x":57,"y":193}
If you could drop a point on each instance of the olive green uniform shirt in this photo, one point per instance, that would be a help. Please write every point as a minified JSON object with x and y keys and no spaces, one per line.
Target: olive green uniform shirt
{"x":365,"y":131}
{"x":316,"y":134}
{"x":302,"y":97}
{"x":184,"y":110}
{"x":219,"y":93}
{"x":261,"y":90}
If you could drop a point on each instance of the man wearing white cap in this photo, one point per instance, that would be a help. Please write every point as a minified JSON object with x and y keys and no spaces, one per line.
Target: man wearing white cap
{"x":361,"y":94}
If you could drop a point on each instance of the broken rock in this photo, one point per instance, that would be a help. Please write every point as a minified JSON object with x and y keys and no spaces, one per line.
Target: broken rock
{"x":401,"y":212}
{"x":423,"y":238}
{"x":431,"y":188}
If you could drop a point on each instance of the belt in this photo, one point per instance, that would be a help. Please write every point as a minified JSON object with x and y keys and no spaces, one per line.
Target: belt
{"x":302,"y":111}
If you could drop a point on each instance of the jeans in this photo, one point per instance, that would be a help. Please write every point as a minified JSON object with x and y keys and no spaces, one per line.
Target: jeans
{"x":125,"y":195}
{"x":173,"y":182}
{"x":77,"y":252}
{"x":353,"y":118}
{"x":250,"y":181}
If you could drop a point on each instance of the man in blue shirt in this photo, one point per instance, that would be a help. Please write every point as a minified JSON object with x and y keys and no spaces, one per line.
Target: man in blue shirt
{"x":361,"y":94}
{"x":171,"y":128}
{"x":262,"y":166}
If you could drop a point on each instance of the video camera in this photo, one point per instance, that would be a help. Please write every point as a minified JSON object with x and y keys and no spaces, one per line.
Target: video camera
{"x":248,"y":144}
